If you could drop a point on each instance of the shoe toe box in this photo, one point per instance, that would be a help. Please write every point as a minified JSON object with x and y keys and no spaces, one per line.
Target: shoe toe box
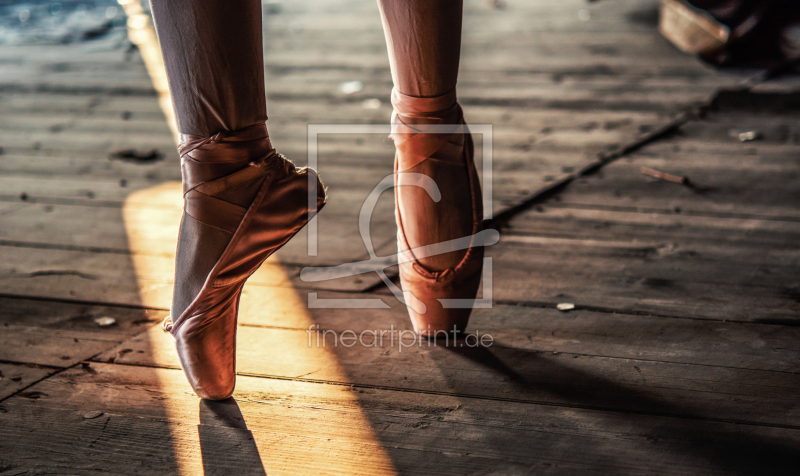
{"x":208,"y":358}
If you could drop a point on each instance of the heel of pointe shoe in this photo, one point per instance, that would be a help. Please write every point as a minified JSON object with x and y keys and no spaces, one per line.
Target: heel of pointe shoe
{"x":430,"y":292}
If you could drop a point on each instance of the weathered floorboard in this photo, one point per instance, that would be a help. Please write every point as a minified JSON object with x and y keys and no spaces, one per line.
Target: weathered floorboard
{"x":681,"y":356}
{"x":430,"y":435}
{"x":515,"y":369}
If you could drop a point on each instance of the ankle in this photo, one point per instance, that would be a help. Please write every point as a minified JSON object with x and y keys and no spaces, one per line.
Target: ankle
{"x":204,"y":159}
{"x":426,"y":110}
{"x":415,"y":141}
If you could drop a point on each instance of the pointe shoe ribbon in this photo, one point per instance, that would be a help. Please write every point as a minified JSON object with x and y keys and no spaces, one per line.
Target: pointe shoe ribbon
{"x":243,"y":201}
{"x":412,"y":142}
{"x":433,"y":129}
{"x":210,"y":165}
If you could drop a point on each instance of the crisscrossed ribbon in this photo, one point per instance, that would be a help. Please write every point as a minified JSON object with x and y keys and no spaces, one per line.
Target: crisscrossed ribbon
{"x":441,"y":129}
{"x":441,"y":134}
{"x":210,"y":165}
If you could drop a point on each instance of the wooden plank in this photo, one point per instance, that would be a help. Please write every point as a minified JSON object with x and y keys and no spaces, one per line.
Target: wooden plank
{"x":104,"y":230}
{"x":753,"y":178}
{"x":77,"y":275}
{"x":61,"y":334}
{"x":79,"y":140}
{"x":77,"y":316}
{"x":728,"y":192}
{"x":538,"y":326}
{"x":100,"y":277}
{"x":126,"y":279}
{"x":53,"y":348}
{"x":570,"y":90}
{"x":632,"y":278}
{"x":670,"y":227}
{"x":637,"y":267}
{"x":114,"y":444}
{"x":614,"y":42}
{"x":517,"y":371}
{"x":400,"y":431}
{"x":724,"y":250}
{"x":671,"y":265}
{"x":15,"y":377}
{"x":516,"y":171}
{"x":510,"y":123}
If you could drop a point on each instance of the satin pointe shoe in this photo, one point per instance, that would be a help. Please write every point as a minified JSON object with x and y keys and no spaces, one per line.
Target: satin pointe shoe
{"x":447,"y":158}
{"x":242,"y":202}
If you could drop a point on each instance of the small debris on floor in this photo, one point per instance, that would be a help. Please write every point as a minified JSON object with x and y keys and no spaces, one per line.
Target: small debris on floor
{"x":16,"y":378}
{"x":105,"y":321}
{"x":664,"y":176}
{"x":92,"y":414}
{"x":33,"y":395}
{"x":350,"y":87}
{"x":371,"y":103}
{"x":86,"y":367}
{"x":565,"y":306}
{"x":749,"y":136}
{"x":137,"y":156}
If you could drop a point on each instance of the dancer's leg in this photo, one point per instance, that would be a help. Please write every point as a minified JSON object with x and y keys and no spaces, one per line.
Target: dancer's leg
{"x":214,"y":58}
{"x":242,"y":200}
{"x":212,"y":51}
{"x":424,"y":42}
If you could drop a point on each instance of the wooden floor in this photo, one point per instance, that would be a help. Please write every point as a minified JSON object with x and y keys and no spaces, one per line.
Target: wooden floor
{"x":682,"y":355}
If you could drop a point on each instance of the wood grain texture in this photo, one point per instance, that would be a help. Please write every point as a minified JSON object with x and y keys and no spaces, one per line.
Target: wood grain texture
{"x":16,"y":377}
{"x":422,"y":435}
{"x":516,"y":368}
{"x":61,"y":334}
{"x":681,"y":356}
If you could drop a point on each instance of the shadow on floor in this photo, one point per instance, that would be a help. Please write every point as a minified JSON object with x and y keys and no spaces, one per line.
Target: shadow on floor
{"x":687,"y":437}
{"x":220,"y":446}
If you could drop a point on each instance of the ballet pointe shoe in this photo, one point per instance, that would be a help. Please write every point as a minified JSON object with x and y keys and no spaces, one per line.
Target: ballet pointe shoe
{"x":431,"y":271}
{"x":242,"y":202}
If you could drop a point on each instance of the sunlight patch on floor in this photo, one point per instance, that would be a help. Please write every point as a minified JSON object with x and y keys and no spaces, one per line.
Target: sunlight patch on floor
{"x":152,"y":241}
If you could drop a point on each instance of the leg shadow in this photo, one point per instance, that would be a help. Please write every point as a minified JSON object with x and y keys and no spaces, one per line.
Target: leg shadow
{"x":726,"y":447}
{"x":227,"y":446}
